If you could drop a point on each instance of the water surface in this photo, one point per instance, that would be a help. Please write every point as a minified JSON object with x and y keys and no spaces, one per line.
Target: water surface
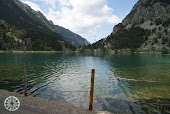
{"x":124,"y":83}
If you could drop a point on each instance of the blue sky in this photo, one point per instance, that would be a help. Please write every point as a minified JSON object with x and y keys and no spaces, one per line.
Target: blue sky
{"x":92,"y":19}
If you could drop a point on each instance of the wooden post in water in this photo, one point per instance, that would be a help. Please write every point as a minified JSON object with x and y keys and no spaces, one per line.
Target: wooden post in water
{"x":91,"y":90}
{"x":25,"y":81}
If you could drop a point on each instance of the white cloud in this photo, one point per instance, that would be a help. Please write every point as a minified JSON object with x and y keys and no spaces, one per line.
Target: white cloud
{"x":33,"y":5}
{"x":80,"y":16}
{"x":83,"y":17}
{"x":53,"y":3}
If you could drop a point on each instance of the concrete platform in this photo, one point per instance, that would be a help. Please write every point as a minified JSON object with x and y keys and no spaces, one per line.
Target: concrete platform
{"x":35,"y":105}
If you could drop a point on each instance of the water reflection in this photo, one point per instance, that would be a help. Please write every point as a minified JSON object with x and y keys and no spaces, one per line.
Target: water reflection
{"x":66,"y":77}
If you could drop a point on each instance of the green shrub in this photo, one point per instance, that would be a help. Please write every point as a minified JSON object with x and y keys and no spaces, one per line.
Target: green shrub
{"x":158,"y":21}
{"x":156,"y":40}
{"x":164,"y":40}
{"x":132,"y":50}
{"x":164,"y":50}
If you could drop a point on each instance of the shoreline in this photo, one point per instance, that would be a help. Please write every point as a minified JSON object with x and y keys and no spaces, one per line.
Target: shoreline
{"x":37,"y":51}
{"x":36,"y":105}
{"x":113,"y":52}
{"x":122,"y":51}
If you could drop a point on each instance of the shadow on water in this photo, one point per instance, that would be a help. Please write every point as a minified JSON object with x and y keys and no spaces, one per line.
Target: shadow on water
{"x":155,"y":105}
{"x":149,"y":106}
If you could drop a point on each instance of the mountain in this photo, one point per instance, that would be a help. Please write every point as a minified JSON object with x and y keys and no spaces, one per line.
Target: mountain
{"x":25,"y":29}
{"x":21,"y":15}
{"x":12,"y":38}
{"x":71,"y":37}
{"x":146,"y":27}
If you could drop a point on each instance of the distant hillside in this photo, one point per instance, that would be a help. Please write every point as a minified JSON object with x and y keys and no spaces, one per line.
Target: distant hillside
{"x":71,"y":37}
{"x":21,"y":15}
{"x":12,"y":38}
{"x":22,"y":28}
{"x":146,"y":27}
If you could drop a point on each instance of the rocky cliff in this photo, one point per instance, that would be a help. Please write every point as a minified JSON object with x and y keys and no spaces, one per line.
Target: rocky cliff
{"x":146,"y":27}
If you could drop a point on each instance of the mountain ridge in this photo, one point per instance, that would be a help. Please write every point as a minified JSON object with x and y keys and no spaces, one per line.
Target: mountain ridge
{"x":21,"y":15}
{"x":71,"y":37}
{"x":146,"y":27}
{"x":20,"y":25}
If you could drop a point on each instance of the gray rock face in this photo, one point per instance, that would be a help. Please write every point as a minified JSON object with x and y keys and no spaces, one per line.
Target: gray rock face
{"x":145,"y":10}
{"x":152,"y":15}
{"x":146,"y":27}
{"x":71,"y":37}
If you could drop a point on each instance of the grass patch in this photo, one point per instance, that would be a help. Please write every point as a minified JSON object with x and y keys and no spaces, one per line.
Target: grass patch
{"x":139,"y":51}
{"x":37,"y":51}
{"x":148,"y":51}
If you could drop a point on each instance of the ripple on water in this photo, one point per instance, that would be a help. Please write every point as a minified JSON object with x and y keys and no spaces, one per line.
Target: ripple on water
{"x":66,"y":78}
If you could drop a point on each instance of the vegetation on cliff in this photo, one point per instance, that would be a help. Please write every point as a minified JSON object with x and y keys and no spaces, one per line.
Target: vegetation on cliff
{"x":146,"y":27}
{"x":12,"y":38}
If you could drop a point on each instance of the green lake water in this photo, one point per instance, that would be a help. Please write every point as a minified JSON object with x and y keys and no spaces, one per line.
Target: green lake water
{"x":124,"y":83}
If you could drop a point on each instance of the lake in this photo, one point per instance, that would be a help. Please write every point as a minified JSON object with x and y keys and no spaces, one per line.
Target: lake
{"x":124,"y":83}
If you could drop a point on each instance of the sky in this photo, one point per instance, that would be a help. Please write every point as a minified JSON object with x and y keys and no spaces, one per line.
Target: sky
{"x":91,"y":19}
